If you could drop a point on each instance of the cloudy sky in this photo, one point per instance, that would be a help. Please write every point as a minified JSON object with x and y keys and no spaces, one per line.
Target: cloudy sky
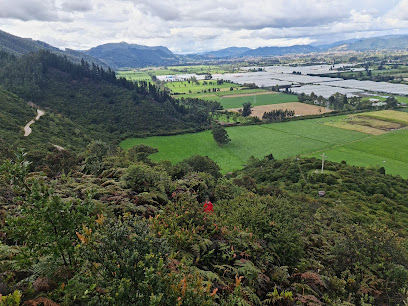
{"x":187,"y":26}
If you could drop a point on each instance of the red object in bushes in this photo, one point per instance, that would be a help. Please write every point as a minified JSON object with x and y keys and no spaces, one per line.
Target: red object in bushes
{"x":208,"y":207}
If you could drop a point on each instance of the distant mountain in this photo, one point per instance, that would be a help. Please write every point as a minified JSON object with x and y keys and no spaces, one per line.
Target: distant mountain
{"x":275,"y":51}
{"x":19,"y":46}
{"x":121,"y":55}
{"x":390,"y":42}
{"x":228,"y":52}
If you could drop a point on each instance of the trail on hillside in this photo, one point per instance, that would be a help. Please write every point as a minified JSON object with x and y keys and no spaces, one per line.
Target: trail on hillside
{"x":27,"y":128}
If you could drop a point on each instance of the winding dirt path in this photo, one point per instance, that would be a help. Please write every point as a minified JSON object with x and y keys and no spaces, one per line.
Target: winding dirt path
{"x":27,"y":128}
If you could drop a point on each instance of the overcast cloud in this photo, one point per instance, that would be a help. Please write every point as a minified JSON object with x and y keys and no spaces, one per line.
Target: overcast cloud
{"x":200,"y":25}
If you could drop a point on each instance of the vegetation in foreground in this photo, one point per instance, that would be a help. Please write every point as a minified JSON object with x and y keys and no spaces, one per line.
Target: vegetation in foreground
{"x":117,"y":228}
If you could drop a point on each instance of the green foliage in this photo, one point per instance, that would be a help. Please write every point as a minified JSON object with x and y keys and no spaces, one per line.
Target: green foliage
{"x":13,"y":299}
{"x":143,"y":178}
{"x":246,"y":109}
{"x":50,"y":224}
{"x":121,"y":264}
{"x":197,"y":163}
{"x":220,"y":135}
{"x":45,"y":223}
{"x":141,"y":152}
{"x":271,"y":237}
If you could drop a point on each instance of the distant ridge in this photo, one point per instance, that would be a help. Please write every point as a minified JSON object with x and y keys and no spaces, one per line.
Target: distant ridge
{"x":228,"y":52}
{"x":275,"y":51}
{"x":19,"y":46}
{"x":119,"y":55}
{"x":390,"y":42}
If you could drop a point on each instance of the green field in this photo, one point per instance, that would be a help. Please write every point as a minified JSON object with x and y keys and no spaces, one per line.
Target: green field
{"x":281,"y":139}
{"x":186,"y":87}
{"x":387,"y":150}
{"x":133,"y":75}
{"x":258,"y":100}
{"x":234,"y":102}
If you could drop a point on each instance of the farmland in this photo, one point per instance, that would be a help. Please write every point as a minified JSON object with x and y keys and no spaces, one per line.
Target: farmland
{"x":257,"y":100}
{"x":133,"y":75}
{"x":374,"y":123}
{"x":191,"y":87}
{"x":304,"y":137}
{"x":281,"y":139}
{"x":387,"y":150}
{"x":300,"y":109}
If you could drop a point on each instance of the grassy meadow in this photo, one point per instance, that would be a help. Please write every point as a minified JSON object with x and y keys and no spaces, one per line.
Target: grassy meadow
{"x":257,"y":100}
{"x":185,"y":87}
{"x":304,"y":137}
{"x":133,"y":75}
{"x":281,"y":139}
{"x":387,"y":150}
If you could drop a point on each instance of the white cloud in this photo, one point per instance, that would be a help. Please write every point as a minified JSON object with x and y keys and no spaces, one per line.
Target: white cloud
{"x":200,"y":25}
{"x":29,"y":10}
{"x":76,"y":5}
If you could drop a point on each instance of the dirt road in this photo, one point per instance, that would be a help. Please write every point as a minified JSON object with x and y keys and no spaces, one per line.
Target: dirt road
{"x":27,"y":128}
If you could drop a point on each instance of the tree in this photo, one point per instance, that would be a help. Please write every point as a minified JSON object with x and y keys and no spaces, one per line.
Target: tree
{"x":220,"y":135}
{"x":391,"y":102}
{"x":246,"y":109}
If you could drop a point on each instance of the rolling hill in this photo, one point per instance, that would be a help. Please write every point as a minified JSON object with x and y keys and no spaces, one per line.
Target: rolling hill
{"x":119,"y":55}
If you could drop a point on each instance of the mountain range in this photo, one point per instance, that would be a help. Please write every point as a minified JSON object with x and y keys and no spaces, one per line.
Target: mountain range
{"x":19,"y":46}
{"x":125,"y":55}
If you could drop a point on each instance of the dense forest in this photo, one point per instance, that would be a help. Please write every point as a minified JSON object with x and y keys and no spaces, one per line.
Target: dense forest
{"x":111,"y":227}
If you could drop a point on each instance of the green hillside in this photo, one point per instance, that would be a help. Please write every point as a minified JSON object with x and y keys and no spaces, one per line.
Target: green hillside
{"x":51,"y":129}
{"x":97,"y":101}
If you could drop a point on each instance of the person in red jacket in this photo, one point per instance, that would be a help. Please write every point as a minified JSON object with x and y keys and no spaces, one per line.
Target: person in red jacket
{"x":208,"y":206}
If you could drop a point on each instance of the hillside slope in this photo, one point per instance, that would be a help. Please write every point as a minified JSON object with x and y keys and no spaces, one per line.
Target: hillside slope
{"x":52,"y":129}
{"x":110,"y":109}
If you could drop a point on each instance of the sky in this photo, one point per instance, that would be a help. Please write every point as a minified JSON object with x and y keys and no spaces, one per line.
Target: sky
{"x":192,"y":26}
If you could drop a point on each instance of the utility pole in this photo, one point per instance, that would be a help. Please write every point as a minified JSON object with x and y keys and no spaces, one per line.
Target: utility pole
{"x":323,"y":158}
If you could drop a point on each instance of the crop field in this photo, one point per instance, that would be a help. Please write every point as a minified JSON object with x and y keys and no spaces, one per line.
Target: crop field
{"x":389,"y":115}
{"x":387,"y":150}
{"x":257,"y":100}
{"x":300,"y":109}
{"x":133,"y":75}
{"x":240,"y":97}
{"x":186,"y":87}
{"x":242,"y":91}
{"x":365,"y":124}
{"x":281,"y":139}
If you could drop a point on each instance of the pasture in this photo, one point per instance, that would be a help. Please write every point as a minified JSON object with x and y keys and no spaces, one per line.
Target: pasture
{"x":186,"y":87}
{"x":281,"y":139}
{"x":387,"y":150}
{"x":133,"y":75}
{"x":257,"y":100}
{"x":235,"y":98}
